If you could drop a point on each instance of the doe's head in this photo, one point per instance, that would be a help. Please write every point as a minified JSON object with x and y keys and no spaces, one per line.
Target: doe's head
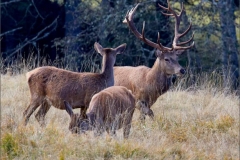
{"x":109,"y":53}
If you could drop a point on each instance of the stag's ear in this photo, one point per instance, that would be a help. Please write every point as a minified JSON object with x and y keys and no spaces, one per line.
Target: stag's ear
{"x":98,"y":48}
{"x":158,"y":53}
{"x":179,"y":52}
{"x":68,"y":108}
{"x":120,"y":49}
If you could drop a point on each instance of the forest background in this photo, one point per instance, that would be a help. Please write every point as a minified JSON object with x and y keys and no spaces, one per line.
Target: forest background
{"x":198,"y":118}
{"x":62,"y":33}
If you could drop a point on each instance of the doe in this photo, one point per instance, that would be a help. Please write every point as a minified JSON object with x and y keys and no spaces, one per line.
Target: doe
{"x":51,"y":86}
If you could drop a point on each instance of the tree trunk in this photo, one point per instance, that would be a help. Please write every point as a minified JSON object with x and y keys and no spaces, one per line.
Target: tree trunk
{"x":230,"y":64}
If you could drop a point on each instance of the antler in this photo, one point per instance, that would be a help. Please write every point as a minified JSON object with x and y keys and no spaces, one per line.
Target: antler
{"x":129,"y":20}
{"x":175,"y":45}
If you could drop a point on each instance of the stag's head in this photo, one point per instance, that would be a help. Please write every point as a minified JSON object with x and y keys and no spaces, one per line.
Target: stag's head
{"x":169,"y":62}
{"x":168,"y":57}
{"x":77,"y":124}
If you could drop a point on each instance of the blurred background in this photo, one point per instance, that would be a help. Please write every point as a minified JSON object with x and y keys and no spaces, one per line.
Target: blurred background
{"x":62,"y":33}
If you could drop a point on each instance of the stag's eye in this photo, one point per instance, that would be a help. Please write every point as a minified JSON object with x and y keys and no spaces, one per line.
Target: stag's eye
{"x":167,"y":60}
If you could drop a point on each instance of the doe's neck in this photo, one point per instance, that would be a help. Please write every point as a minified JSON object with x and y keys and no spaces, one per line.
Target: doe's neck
{"x":107,"y":71}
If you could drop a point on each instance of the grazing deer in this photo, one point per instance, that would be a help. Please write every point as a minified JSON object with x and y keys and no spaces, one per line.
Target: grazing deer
{"x":50,"y":85}
{"x":147,"y":83}
{"x":109,"y":109}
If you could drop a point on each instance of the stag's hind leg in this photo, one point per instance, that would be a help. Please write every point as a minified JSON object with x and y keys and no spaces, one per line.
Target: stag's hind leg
{"x":40,"y":116}
{"x":34,"y":104}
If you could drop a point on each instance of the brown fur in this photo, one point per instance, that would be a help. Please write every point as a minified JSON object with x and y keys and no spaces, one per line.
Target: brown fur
{"x":109,"y":110}
{"x":51,"y":85}
{"x":147,"y":83}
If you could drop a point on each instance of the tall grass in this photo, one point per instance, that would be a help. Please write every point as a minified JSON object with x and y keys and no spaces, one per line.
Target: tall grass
{"x":196,"y":122}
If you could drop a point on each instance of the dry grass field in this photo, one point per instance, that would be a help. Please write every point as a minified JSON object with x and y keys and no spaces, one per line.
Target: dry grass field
{"x":197,"y":124}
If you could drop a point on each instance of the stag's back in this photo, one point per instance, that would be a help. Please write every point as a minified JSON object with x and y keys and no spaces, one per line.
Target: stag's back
{"x":132,"y":78}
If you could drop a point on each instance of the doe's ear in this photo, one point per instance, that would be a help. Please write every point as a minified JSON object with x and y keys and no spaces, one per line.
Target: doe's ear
{"x":121,"y":48}
{"x":98,"y":48}
{"x":68,"y":108}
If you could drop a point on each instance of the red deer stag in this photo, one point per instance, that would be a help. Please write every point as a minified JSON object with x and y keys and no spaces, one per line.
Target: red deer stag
{"x":146,"y":83}
{"x":50,"y":85}
{"x":109,"y":109}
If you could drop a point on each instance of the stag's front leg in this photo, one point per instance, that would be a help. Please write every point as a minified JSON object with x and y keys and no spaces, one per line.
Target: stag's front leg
{"x":139,"y":105}
{"x":144,"y":110}
{"x":83,"y":111}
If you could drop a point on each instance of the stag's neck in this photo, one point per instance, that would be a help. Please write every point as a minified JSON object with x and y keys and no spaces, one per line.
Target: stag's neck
{"x":158,"y":77}
{"x":107,"y":71}
{"x":157,"y":71}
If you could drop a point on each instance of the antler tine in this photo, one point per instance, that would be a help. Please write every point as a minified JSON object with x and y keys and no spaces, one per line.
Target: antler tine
{"x":171,"y":10}
{"x":158,"y":40}
{"x":186,"y":31}
{"x":182,"y":43}
{"x":176,"y":45}
{"x":182,"y":8}
{"x":161,"y":46}
{"x":184,"y":48}
{"x":129,"y":20}
{"x":126,"y":17}
{"x":163,"y":7}
{"x":133,"y":11}
{"x":167,"y":9}
{"x":167,"y":14}
{"x":143,"y":36}
{"x":129,"y":14}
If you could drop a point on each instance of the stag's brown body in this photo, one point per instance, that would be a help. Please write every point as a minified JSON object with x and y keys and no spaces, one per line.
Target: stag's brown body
{"x":50,"y":85}
{"x":146,"y":83}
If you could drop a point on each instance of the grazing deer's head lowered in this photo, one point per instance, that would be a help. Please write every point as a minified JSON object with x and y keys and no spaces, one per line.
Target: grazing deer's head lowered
{"x":77,"y":124}
{"x":146,"y":83}
{"x":110,"y":109}
{"x":167,"y":56}
{"x":51,"y":85}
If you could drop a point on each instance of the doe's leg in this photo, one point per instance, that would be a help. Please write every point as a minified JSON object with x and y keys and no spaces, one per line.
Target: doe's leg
{"x":40,"y":116}
{"x":99,"y":127}
{"x":31,"y":108}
